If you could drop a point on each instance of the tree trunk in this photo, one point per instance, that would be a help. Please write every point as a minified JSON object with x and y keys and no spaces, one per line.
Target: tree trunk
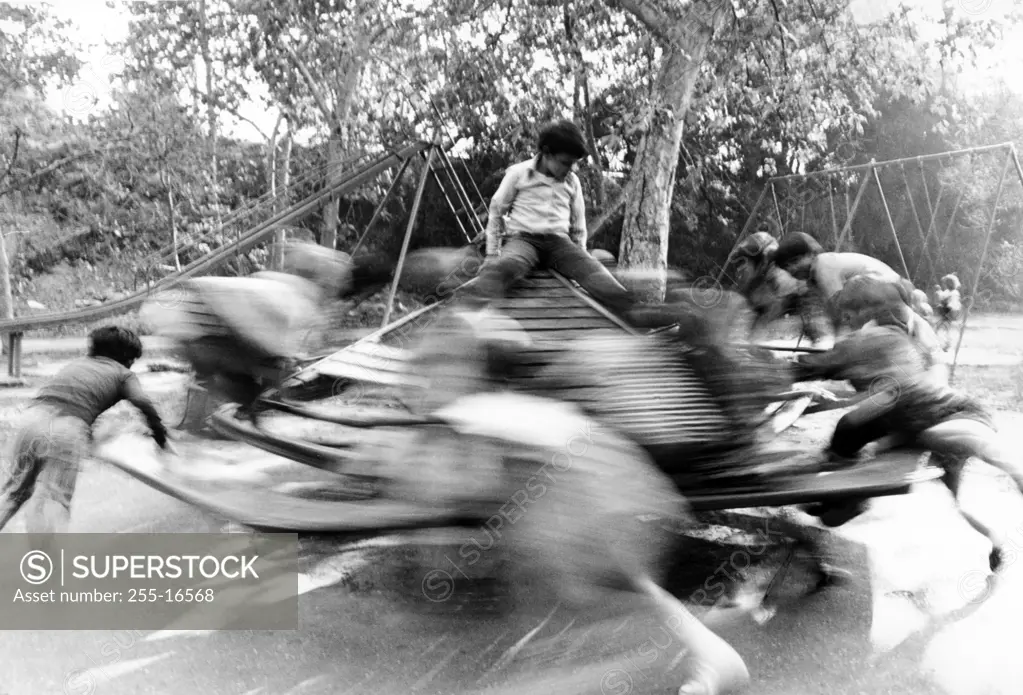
{"x":339,"y":145}
{"x":173,"y":229}
{"x":6,"y":296}
{"x":281,"y":235}
{"x":328,"y":225}
{"x":271,"y":176}
{"x":597,"y":166}
{"x":583,"y":109}
{"x":685,"y":39}
{"x":211,"y":111}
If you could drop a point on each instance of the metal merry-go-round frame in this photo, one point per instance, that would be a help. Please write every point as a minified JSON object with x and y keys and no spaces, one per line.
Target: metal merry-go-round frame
{"x":865,"y":482}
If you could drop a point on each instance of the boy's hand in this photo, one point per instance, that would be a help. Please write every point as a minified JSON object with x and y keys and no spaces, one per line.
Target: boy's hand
{"x":162,"y":438}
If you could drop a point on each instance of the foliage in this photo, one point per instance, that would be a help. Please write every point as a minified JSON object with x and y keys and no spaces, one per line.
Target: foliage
{"x":786,"y":88}
{"x":34,"y":50}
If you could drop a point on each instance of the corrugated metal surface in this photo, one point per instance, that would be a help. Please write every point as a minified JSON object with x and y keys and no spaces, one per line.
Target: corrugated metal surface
{"x":644,"y":385}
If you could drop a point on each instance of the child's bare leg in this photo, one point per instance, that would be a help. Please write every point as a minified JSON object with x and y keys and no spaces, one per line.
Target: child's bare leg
{"x":719,"y":670}
{"x":965,"y":438}
{"x":956,"y":441}
{"x":953,"y":478}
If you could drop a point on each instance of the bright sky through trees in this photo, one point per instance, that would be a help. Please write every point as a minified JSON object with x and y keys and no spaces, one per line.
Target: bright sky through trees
{"x":97,"y":24}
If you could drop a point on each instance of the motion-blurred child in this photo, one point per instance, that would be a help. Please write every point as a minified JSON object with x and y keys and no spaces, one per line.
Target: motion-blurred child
{"x":903,"y":404}
{"x":56,"y":431}
{"x":827,"y":272}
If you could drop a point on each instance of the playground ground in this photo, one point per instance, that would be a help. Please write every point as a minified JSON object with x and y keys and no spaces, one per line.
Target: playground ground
{"x":910,"y":622}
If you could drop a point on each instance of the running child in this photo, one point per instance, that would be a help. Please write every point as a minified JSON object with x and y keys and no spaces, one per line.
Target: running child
{"x":56,"y":431}
{"x":906,"y":406}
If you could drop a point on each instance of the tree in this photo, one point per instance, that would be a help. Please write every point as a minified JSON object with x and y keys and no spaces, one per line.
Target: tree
{"x":168,"y":150}
{"x":36,"y":54}
{"x":32,"y":56}
{"x":684,"y":39}
{"x":313,"y":57}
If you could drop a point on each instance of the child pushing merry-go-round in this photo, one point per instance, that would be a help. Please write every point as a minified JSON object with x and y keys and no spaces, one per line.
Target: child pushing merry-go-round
{"x":54,"y":435}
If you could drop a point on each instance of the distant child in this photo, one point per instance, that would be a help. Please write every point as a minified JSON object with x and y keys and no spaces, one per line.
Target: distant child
{"x":950,"y":303}
{"x":949,"y":306}
{"x":56,"y":431}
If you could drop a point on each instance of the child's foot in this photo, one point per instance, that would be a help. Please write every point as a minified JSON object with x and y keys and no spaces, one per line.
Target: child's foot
{"x":995,"y":559}
{"x":732,"y":676}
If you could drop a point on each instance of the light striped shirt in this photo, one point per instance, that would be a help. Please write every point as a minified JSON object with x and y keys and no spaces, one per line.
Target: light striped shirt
{"x":529,"y":201}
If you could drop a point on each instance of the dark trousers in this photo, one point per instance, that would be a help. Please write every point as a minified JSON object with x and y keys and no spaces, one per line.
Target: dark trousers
{"x":227,"y":367}
{"x":524,"y":252}
{"x":866,"y":423}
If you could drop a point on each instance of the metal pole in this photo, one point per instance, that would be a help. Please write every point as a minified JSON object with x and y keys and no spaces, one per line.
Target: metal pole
{"x":891,"y":223}
{"x":834,"y":219}
{"x":980,"y":265}
{"x":380,"y":207}
{"x":742,"y":234}
{"x":777,"y":208}
{"x":927,"y":192}
{"x":1015,"y":161}
{"x":408,"y":234}
{"x":921,"y":158}
{"x":951,"y":220}
{"x":461,"y":191}
{"x":912,"y":203}
{"x":451,"y":206}
{"x":927,"y":237}
{"x":463,"y":202}
{"x":852,"y":211}
{"x":464,"y":165}
{"x":473,"y":221}
{"x":919,"y":225}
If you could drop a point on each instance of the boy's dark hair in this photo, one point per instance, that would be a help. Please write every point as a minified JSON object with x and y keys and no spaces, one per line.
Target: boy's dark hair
{"x":562,"y":137}
{"x":119,"y":344}
{"x":757,"y":245}
{"x":795,"y":245}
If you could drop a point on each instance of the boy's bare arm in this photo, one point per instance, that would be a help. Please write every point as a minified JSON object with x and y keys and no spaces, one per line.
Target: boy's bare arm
{"x":500,"y":204}
{"x":577,"y":219}
{"x":133,"y":393}
{"x":824,"y":365}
